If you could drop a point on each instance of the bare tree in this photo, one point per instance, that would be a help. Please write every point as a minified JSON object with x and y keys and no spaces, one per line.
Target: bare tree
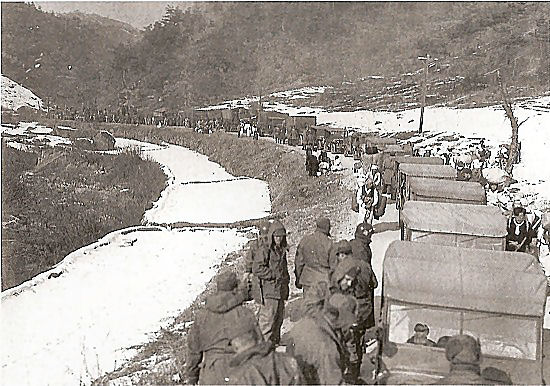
{"x":514,"y":144}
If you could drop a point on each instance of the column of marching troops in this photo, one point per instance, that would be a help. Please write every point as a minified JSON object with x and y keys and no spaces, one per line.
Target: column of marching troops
{"x":228,"y":344}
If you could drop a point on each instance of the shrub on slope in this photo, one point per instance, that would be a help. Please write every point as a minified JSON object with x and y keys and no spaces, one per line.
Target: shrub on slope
{"x":67,"y":199}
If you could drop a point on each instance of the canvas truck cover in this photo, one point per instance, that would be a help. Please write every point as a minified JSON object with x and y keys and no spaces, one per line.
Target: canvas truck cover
{"x":392,"y":148}
{"x":376,"y":140}
{"x":336,"y":132}
{"x":452,"y":190}
{"x":301,"y":121}
{"x":419,"y":160}
{"x":428,"y":171}
{"x":464,"y":219}
{"x":511,"y":283}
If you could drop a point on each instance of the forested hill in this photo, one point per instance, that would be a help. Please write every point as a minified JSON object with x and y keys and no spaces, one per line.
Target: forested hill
{"x":214,"y":51}
{"x":65,"y":58}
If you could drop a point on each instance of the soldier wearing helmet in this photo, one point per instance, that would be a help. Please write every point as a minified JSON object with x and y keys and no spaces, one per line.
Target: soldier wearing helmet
{"x":271,"y":281}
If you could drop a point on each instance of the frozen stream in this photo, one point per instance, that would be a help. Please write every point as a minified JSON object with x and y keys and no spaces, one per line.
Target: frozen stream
{"x":77,"y":321}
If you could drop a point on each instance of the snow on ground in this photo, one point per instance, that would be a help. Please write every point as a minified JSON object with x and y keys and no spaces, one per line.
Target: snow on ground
{"x":110,"y":296}
{"x":19,"y":146}
{"x":201,"y":191}
{"x":80,"y":319}
{"x":299,"y":93}
{"x":15,"y":96}
{"x":489,"y":122}
{"x":32,"y":133}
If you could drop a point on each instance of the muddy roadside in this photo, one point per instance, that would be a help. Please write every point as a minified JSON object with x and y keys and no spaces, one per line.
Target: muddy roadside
{"x":297,"y":200}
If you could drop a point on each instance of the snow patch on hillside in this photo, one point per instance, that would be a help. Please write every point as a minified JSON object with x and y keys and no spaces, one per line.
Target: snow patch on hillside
{"x":15,"y":96}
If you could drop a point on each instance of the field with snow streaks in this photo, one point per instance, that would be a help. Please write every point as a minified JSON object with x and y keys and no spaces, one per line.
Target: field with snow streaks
{"x":81,"y":319}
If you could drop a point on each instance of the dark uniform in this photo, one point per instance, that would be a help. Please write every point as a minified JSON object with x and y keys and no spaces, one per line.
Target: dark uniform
{"x":270,"y":283}
{"x":464,"y":354}
{"x":312,"y":257}
{"x":209,"y":351}
{"x":261,"y":365}
{"x":364,"y":282}
{"x":317,"y":345}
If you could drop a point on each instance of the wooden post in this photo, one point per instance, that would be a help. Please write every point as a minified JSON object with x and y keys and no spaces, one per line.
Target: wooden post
{"x":424,"y":90}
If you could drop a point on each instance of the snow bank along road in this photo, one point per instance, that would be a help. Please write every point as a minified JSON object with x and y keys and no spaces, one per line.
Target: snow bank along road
{"x":76,"y":322}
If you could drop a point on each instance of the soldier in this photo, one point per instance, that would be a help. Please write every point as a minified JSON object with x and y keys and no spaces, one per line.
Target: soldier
{"x":420,"y":337}
{"x":276,"y":134}
{"x":312,"y":256}
{"x":361,"y":243}
{"x":317,"y":345}
{"x":361,"y":250}
{"x":312,"y":164}
{"x":355,"y":277}
{"x":255,"y":361}
{"x":270,"y":282}
{"x":208,"y":339}
{"x":464,"y":354}
{"x":282,"y":134}
{"x":255,"y":248}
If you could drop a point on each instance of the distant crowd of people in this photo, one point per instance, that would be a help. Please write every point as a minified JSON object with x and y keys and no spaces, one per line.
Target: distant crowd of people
{"x":321,"y":164}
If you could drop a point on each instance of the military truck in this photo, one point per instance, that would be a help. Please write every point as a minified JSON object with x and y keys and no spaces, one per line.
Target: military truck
{"x":497,"y":297}
{"x":391,"y":167}
{"x":407,"y":172}
{"x":460,"y":225}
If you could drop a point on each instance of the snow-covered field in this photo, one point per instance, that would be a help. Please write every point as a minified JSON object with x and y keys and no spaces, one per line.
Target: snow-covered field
{"x":15,"y":96}
{"x":110,"y":296}
{"x":79,"y":320}
{"x":200,"y":191}
{"x":490,"y":123}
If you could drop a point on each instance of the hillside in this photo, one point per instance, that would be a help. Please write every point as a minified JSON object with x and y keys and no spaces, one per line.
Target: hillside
{"x":66,"y":59}
{"x":215,"y":51}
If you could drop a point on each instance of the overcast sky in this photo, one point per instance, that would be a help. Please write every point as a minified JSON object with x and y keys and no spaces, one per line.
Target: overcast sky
{"x":137,"y":13}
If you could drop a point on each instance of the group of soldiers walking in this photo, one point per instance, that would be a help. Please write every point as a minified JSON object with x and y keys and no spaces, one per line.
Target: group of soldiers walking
{"x":335,"y":341}
{"x":229,"y":345}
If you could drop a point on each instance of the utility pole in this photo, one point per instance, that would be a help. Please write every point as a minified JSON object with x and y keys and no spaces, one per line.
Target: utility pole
{"x":426,"y":60}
